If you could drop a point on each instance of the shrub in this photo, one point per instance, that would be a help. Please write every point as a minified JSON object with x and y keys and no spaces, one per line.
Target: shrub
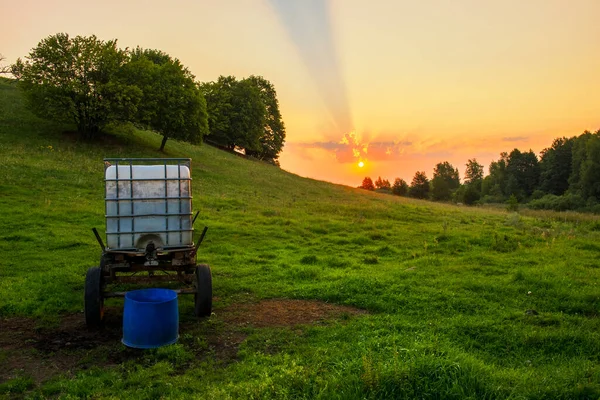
{"x":491,"y":199}
{"x":512,"y":203}
{"x":470,"y":195}
{"x":537,"y":194}
{"x":558,"y":203}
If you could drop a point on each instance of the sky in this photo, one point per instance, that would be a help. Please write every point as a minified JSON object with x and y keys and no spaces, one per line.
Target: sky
{"x":399,"y":85}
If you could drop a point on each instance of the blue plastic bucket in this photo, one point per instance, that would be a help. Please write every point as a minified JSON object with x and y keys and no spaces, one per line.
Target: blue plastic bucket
{"x":150,"y":318}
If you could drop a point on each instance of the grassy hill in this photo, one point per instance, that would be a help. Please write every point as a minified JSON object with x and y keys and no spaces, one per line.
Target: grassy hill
{"x":441,"y":301}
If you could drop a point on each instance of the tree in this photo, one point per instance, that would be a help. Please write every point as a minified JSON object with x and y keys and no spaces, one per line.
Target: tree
{"x":236,"y":113}
{"x":172,"y":104}
{"x":382,"y":183}
{"x":585,"y":174}
{"x":474,"y":172}
{"x":556,"y":166}
{"x":585,"y":171}
{"x":4,"y":69}
{"x":367,"y":184}
{"x":77,"y":80}
{"x":400,"y":187}
{"x":419,"y":187}
{"x":445,"y":181}
{"x":495,"y":183}
{"x":523,"y":173}
{"x":273,"y":136}
{"x":473,"y":182}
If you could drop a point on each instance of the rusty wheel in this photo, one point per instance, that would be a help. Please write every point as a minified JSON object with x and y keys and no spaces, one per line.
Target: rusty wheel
{"x":94,"y":302}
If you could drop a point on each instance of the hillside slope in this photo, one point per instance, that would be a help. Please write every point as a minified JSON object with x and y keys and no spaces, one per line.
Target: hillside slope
{"x":459,"y":302}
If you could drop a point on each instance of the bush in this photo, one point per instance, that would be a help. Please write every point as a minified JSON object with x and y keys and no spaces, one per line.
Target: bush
{"x":512,"y":203}
{"x":547,"y":202}
{"x":383,"y":190}
{"x":558,"y":203}
{"x":492,"y":199}
{"x":570,"y":202}
{"x":537,"y":194}
{"x":470,"y":195}
{"x":594,"y":209}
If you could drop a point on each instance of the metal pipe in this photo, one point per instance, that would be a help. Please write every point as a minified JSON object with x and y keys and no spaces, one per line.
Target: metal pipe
{"x":199,"y":241}
{"x":99,"y":239}
{"x":122,"y":294}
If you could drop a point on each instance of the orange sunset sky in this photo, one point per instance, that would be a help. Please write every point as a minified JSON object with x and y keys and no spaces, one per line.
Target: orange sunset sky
{"x":399,"y":85}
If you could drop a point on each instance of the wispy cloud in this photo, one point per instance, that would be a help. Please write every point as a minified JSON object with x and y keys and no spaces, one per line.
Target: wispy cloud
{"x":515,"y":138}
{"x":352,"y":148}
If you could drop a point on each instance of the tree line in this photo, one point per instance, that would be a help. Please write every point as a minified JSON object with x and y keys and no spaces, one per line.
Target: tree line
{"x":93,"y":83}
{"x":565,"y":176}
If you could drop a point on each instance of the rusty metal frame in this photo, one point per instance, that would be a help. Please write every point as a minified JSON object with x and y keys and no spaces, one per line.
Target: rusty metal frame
{"x":134,"y":268}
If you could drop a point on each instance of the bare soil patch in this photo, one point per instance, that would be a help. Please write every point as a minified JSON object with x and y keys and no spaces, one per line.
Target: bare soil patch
{"x":43,"y":352}
{"x":285,"y":312}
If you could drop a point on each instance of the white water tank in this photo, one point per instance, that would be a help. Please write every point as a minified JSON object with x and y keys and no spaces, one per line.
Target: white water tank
{"x":148,"y":203}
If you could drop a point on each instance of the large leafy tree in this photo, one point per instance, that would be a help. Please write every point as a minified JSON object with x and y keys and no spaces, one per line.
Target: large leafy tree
{"x":590,"y":169}
{"x":445,"y":181}
{"x":555,"y":166}
{"x":473,"y":182}
{"x":172,"y":103}
{"x":77,"y":80}
{"x":585,"y":173}
{"x":523,"y":173}
{"x":400,"y":187}
{"x":273,"y":135}
{"x":495,"y":183}
{"x":419,"y":187}
{"x":474,"y":172}
{"x":236,"y":113}
{"x":578,"y":158}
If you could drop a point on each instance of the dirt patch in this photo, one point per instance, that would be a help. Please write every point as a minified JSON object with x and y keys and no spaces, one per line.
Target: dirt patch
{"x":41,"y":352}
{"x":284,"y":312}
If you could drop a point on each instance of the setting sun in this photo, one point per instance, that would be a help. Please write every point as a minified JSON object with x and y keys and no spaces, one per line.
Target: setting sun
{"x":361,"y":164}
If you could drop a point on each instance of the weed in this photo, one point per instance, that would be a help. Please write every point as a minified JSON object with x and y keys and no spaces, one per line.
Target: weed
{"x":16,"y":386}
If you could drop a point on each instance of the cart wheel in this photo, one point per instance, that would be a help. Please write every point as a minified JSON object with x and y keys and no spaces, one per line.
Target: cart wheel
{"x":94,"y":303}
{"x":203,"y":296}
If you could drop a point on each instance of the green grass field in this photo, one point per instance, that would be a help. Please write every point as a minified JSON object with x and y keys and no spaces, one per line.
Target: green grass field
{"x":459,"y":302}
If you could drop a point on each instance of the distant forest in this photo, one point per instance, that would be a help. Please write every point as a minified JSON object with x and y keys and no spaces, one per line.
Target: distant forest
{"x":92,"y":83}
{"x":566,"y":176}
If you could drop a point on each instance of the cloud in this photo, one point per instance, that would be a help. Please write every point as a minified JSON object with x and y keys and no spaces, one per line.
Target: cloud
{"x":351,"y":149}
{"x":396,"y":149}
{"x":515,"y":138}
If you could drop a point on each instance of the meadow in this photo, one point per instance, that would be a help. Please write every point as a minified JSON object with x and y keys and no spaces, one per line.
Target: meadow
{"x":321,"y":290}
